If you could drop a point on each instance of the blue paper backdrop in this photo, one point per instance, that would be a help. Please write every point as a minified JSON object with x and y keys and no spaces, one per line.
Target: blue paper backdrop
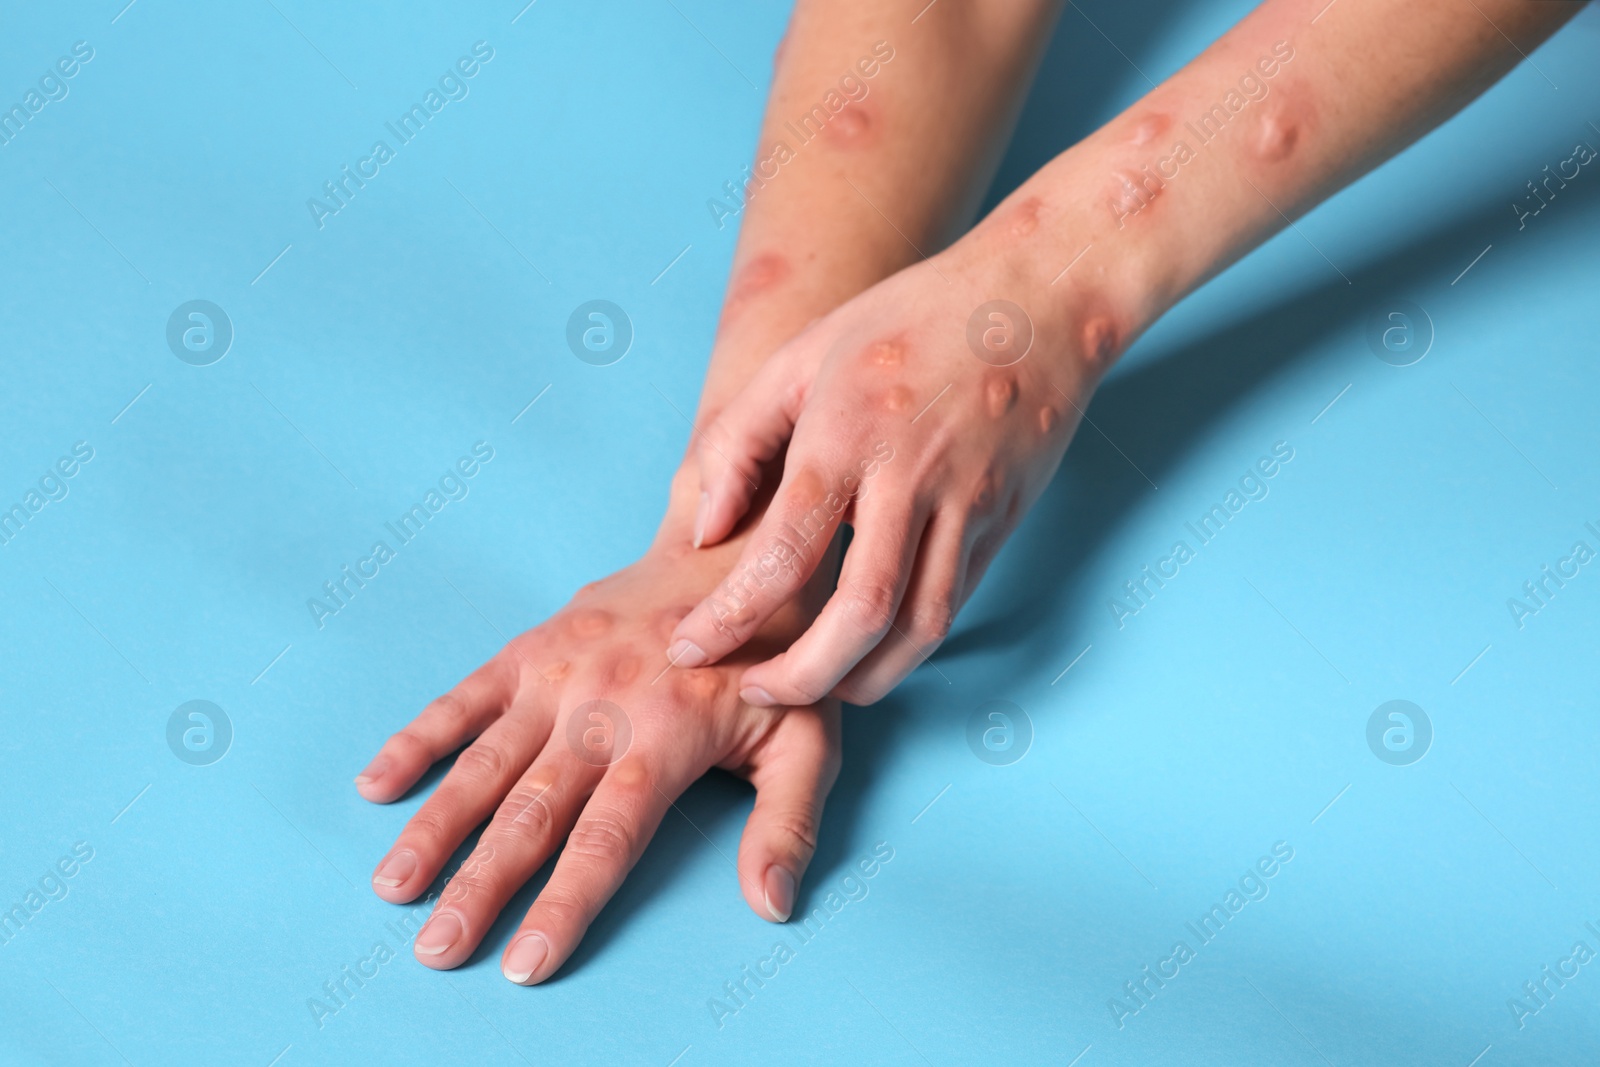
{"x":190,"y":912}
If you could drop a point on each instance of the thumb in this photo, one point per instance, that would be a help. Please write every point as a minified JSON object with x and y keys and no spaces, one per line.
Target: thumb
{"x":792,"y":776}
{"x":749,"y":432}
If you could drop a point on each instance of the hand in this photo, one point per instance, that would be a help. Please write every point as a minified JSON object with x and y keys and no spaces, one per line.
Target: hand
{"x":923,"y":415}
{"x":580,"y":732}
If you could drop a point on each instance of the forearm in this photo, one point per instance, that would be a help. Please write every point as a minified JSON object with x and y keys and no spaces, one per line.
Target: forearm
{"x":841,"y":199}
{"x":1275,"y":116}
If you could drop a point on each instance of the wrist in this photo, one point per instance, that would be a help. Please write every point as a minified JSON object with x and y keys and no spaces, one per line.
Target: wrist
{"x":1064,"y":249}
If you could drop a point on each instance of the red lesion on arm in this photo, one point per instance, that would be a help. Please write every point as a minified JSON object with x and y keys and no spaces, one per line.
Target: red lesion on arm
{"x":853,"y":127}
{"x":1023,"y":219}
{"x":1134,"y":192}
{"x":763,"y":272}
{"x":1148,"y":127}
{"x":1280,"y":127}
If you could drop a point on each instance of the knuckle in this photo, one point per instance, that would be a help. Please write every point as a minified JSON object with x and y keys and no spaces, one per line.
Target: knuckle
{"x":802,"y":690}
{"x":715,"y":436}
{"x":564,"y":906}
{"x":605,"y":837}
{"x":468,"y":885}
{"x":413,"y":745}
{"x":862,"y":693}
{"x":431,"y":824}
{"x":870,"y":605}
{"x":931,"y":620}
{"x":450,"y":708}
{"x":853,"y":691}
{"x":525,"y":813}
{"x":797,"y":830}
{"x":481,"y":762}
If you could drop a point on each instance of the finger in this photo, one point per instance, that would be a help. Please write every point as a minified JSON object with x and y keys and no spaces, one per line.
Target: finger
{"x":606,"y":842}
{"x":748,"y":433}
{"x":935,"y":594}
{"x":857,"y":616}
{"x":482,"y":774}
{"x":781,"y":555}
{"x":792,"y":782}
{"x":527,"y":827}
{"x":444,"y":726}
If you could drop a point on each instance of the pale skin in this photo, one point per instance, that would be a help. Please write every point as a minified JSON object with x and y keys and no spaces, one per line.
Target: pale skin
{"x":835,"y":334}
{"x":1275,"y":116}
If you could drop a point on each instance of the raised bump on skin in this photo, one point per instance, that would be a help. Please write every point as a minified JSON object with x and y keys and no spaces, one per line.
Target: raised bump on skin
{"x":625,"y":670}
{"x":1000,"y":393}
{"x":1047,"y":419}
{"x":1099,"y":340}
{"x":896,"y":398}
{"x":590,"y":622}
{"x":629,"y":773}
{"x":1277,"y":134}
{"x":806,"y":491}
{"x":1025,"y":217}
{"x":890,"y":353}
{"x":760,"y":274}
{"x":697,"y":685}
{"x":1149,"y":128}
{"x":850,"y":127}
{"x":983,"y":497}
{"x":1134,"y":192}
{"x":538,"y":783}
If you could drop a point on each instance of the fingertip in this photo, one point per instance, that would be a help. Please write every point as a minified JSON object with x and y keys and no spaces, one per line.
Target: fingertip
{"x":685,"y":653}
{"x":525,"y":958}
{"x":390,"y":879}
{"x":757,"y":697}
{"x":722,"y":511}
{"x":778,"y":889}
{"x":700,"y":517}
{"x":381,"y":781}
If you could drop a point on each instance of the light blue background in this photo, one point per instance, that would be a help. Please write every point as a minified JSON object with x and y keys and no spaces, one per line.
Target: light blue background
{"x":1222,"y":718}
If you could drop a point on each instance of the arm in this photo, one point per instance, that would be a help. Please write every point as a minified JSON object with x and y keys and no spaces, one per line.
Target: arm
{"x":576,"y":734}
{"x":838,"y":201}
{"x":930,"y":418}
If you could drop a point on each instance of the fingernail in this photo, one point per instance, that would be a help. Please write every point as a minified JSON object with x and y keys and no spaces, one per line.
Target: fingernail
{"x":700,"y":518}
{"x":758,"y":696}
{"x":374,"y":770}
{"x":779,"y":893}
{"x":441,"y":931}
{"x":685,"y":653}
{"x":396,"y":869}
{"x":524,"y":957}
